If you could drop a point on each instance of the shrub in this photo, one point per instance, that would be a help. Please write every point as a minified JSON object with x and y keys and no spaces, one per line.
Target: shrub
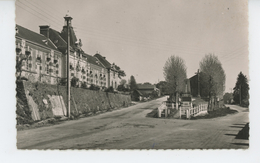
{"x":110,"y":89}
{"x":74,"y":82}
{"x":103,"y":88}
{"x":63,"y":81}
{"x":94,"y":87}
{"x":84,"y":85}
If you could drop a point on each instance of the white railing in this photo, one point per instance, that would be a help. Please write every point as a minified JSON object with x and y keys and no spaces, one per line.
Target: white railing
{"x":201,"y":108}
{"x":161,"y":108}
{"x":188,"y":111}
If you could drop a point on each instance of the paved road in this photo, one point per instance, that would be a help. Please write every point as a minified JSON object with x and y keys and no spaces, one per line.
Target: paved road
{"x":128,"y":128}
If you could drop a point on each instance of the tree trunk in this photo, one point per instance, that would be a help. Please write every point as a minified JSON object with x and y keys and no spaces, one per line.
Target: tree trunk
{"x":177,"y":101}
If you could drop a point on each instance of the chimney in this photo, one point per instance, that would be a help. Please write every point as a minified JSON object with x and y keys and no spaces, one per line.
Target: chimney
{"x":44,"y":30}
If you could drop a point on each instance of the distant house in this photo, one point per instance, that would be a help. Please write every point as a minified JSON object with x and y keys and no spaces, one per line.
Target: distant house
{"x":147,"y":89}
{"x":137,"y":95}
{"x":194,"y":80}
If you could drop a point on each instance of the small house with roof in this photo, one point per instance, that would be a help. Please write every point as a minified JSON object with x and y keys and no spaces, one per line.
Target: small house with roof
{"x":147,"y":90}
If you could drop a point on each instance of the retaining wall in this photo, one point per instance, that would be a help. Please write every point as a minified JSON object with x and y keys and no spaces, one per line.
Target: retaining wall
{"x":39,"y":99}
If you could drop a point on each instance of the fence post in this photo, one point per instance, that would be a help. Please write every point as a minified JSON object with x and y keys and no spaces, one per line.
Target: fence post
{"x":159,"y":113}
{"x":180,"y":112}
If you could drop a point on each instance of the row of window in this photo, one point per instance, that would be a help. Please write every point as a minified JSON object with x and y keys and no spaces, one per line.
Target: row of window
{"x":28,"y":66}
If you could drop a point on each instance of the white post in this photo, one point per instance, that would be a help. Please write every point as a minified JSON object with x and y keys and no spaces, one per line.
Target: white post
{"x":180,"y":112}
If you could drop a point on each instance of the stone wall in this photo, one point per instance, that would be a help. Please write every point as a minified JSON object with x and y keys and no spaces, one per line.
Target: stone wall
{"x":83,"y":101}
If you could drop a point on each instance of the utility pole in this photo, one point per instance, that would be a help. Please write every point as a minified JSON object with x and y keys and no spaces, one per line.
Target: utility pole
{"x":68,"y":20}
{"x":198,"y":83}
{"x":240,"y":94}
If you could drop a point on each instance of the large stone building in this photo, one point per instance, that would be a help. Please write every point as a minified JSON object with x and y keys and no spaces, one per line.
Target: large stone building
{"x":111,"y":70}
{"x":44,"y":59}
{"x":51,"y":47}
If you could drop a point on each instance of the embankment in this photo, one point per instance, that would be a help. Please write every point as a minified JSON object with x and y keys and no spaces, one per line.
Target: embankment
{"x":40,"y":101}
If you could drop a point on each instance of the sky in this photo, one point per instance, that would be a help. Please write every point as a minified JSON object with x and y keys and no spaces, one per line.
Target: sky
{"x":140,"y":35}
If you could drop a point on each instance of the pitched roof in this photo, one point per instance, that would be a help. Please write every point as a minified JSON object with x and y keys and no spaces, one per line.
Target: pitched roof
{"x":64,"y":35}
{"x":92,"y":60}
{"x":103,"y":60}
{"x":34,"y":37}
{"x":140,"y":94}
{"x":145,"y":86}
{"x":56,"y":38}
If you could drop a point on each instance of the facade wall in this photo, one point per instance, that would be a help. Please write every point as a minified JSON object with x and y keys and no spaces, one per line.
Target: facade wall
{"x":87,"y":72}
{"x":114,"y":80}
{"x":43,"y":64}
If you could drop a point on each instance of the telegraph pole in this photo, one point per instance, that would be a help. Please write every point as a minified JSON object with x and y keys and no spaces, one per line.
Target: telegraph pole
{"x":240,"y":94}
{"x":68,"y":20}
{"x":198,"y":83}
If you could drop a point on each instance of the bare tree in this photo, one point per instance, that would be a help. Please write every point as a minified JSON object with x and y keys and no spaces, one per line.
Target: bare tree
{"x":212,"y":77}
{"x":175,"y":72}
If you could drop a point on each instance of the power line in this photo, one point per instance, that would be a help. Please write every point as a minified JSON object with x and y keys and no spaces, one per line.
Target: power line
{"x":44,"y":11}
{"x":37,"y":12}
{"x":197,"y":50}
{"x":233,"y":52}
{"x":84,"y":28}
{"x":155,"y":45}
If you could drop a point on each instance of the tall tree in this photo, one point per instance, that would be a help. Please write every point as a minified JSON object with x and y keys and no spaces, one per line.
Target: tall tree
{"x":240,"y":94}
{"x":175,"y":72}
{"x":212,"y":77}
{"x":132,"y":83}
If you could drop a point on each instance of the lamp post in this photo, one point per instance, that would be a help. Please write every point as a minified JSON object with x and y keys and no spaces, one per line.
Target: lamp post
{"x":68,"y":19}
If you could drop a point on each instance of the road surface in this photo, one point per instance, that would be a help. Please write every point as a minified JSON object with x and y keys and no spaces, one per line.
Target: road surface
{"x":129,"y":128}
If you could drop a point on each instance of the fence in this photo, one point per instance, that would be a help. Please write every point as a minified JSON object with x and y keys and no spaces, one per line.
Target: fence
{"x":202,"y":108}
{"x":188,"y":111}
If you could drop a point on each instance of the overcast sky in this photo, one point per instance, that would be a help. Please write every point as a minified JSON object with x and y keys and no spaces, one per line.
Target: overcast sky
{"x":140,"y":35}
